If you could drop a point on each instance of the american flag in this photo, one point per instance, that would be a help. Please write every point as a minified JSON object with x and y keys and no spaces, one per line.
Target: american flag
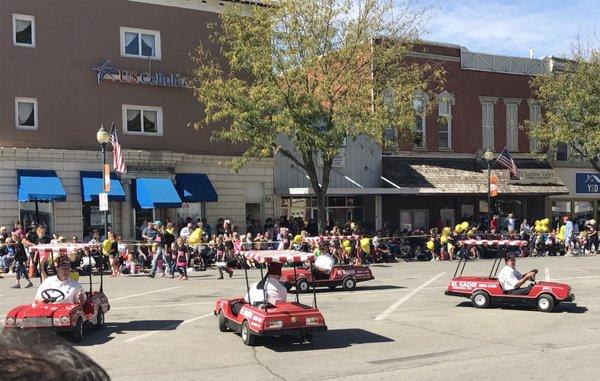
{"x":506,"y":161}
{"x":118,"y":162}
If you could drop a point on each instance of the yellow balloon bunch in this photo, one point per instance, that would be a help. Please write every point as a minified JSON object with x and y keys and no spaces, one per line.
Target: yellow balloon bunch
{"x":541,"y":226}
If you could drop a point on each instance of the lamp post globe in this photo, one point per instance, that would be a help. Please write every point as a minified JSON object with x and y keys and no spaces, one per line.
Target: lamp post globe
{"x":488,"y":155}
{"x":102,"y":135}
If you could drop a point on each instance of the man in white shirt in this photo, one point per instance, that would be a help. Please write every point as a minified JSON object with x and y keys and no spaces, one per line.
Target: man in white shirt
{"x":71,"y":289}
{"x":269,"y":286}
{"x":325,"y":261}
{"x":186,"y":231}
{"x":511,"y":280}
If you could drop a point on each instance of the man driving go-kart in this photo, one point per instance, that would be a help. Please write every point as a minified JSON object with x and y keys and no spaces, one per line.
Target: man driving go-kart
{"x":512,"y":281}
{"x":61,"y":288}
{"x":269,"y":286}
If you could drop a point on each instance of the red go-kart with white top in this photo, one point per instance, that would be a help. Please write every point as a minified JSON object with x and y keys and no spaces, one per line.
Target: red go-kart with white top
{"x":61,"y":317}
{"x":484,"y":291}
{"x":341,"y":275}
{"x":256,"y":319}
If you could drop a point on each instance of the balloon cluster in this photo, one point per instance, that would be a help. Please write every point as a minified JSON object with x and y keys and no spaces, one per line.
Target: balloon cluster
{"x":541,"y":226}
{"x":462,"y":228}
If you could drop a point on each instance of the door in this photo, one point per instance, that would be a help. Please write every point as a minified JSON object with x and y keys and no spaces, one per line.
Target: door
{"x":448,"y":215}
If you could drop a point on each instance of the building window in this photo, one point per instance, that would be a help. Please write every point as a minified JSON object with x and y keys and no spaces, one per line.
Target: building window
{"x":140,"y":43}
{"x":487,"y":122}
{"x":562,"y":152}
{"x":444,"y":122}
{"x":26,"y":113}
{"x":142,"y":120}
{"x":535,"y":115}
{"x":413,"y":219}
{"x":24,"y":30}
{"x":420,"y":140}
{"x":512,"y":123}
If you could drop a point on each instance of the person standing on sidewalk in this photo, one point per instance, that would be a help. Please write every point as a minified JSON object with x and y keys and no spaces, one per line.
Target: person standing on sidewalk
{"x":160,"y":252}
{"x":20,"y":260}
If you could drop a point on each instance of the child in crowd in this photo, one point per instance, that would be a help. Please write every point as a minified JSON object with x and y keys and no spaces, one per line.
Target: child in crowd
{"x":86,"y":264}
{"x":182,"y":259}
{"x":129,"y":266}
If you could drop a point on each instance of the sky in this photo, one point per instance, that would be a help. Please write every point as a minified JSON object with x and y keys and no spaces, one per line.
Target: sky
{"x":513,"y":27}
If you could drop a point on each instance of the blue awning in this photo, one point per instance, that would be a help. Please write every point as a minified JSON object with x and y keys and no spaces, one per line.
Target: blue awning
{"x":195,"y":187}
{"x":156,"y":193}
{"x":92,"y":184}
{"x":39,"y":185}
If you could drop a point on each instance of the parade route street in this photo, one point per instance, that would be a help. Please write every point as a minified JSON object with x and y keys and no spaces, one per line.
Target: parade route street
{"x":400,"y":326}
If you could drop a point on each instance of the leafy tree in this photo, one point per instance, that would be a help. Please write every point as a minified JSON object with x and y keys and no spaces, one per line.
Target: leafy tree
{"x":570,"y":99}
{"x":302,"y":72}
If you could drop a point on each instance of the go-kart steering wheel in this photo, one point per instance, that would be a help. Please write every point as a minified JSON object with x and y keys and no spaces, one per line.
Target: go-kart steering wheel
{"x":53,"y":295}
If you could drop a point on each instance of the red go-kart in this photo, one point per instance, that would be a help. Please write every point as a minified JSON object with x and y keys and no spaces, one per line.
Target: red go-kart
{"x":262,"y":319}
{"x":341,"y":275}
{"x":484,"y":291}
{"x":61,"y":317}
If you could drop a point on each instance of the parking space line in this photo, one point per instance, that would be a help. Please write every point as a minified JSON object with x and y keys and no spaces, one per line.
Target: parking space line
{"x":578,"y":277}
{"x":161,"y":305}
{"x":393,"y":307}
{"x":167,"y":328}
{"x":547,"y":273}
{"x":144,"y":293}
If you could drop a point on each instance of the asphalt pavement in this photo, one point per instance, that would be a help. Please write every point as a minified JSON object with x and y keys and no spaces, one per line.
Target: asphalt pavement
{"x":399,"y":326}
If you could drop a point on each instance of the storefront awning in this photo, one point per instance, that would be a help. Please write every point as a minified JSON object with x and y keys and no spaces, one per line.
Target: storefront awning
{"x":195,"y":187}
{"x":92,"y":185}
{"x":39,"y":185}
{"x":156,"y":193}
{"x":437,"y":176}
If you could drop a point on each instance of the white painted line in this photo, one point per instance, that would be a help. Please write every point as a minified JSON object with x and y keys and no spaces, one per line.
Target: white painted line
{"x":160,"y":305}
{"x":143,"y":293}
{"x":547,"y":273}
{"x":578,"y":277}
{"x":167,"y":328}
{"x":393,"y":307}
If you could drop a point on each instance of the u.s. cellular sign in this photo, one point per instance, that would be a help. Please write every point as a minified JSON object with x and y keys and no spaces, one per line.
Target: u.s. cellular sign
{"x":107,"y":71}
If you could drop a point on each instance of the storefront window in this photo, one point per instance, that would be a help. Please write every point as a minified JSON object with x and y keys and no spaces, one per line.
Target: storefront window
{"x":340,"y":209}
{"x":560,"y":208}
{"x":45,"y":214}
{"x":93,"y":218}
{"x":516,"y":207}
{"x":582,"y":211}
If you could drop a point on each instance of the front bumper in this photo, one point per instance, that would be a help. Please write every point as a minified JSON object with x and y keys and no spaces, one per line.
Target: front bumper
{"x":292,"y":331}
{"x":570,"y":298}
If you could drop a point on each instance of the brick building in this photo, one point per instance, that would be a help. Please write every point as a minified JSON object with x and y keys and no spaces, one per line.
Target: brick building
{"x":68,"y":66}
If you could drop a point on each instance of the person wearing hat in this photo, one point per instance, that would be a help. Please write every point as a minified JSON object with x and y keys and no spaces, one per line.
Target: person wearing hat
{"x":72,"y":290}
{"x":268,"y":287}
{"x":592,"y":242}
{"x":512,"y":281}
{"x":325,"y":261}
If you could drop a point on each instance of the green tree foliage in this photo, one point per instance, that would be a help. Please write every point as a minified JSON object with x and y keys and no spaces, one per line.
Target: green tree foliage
{"x":302,"y":72}
{"x":570,"y":101}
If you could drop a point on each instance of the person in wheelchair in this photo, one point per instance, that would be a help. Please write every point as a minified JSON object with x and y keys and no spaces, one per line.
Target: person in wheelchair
{"x":60,"y":288}
{"x":268,"y":287}
{"x":512,"y":281}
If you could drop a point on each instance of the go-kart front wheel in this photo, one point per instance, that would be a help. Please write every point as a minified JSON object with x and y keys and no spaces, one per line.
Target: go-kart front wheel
{"x":222,"y":322}
{"x":480,"y":299}
{"x":78,"y":330}
{"x":545,"y":303}
{"x":247,"y":337}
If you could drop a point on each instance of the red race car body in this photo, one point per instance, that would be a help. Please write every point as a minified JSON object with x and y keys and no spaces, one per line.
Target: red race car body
{"x":486,"y":290}
{"x":263,"y":319}
{"x":341,"y":275}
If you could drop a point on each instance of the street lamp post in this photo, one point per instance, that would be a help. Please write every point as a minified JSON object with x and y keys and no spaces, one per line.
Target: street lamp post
{"x":489,"y":156}
{"x":103,"y":137}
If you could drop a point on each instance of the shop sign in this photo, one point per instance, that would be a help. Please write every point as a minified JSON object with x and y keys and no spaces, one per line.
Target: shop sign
{"x":103,"y":204}
{"x":587,"y":183}
{"x":107,"y":71}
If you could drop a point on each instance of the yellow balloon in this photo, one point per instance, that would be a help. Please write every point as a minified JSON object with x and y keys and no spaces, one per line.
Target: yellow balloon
{"x":298,"y":239}
{"x":458,"y":228}
{"x":446,"y":231}
{"x":365,"y":245}
{"x":545,"y":229}
{"x":443,"y":240}
{"x":430,"y":245}
{"x":538,"y":222}
{"x":464,"y":225}
{"x":545,"y":221}
{"x":538,"y":228}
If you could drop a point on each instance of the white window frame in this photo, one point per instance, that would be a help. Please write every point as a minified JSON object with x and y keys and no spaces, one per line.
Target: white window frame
{"x":35,"y":113}
{"x":421,"y":96}
{"x":157,"y":44}
{"x":16,"y":17}
{"x":487,"y":102}
{"x":534,"y":144}
{"x":512,"y":123}
{"x":448,"y":98}
{"x":159,"y":119}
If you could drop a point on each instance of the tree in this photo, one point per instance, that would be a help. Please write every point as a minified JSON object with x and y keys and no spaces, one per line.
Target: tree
{"x":302,"y":72}
{"x":571,"y":102}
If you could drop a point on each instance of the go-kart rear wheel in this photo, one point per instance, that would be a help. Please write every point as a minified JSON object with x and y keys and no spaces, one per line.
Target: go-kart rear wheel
{"x":78,"y":330}
{"x":480,"y":299}
{"x":302,"y":285}
{"x":99,"y":319}
{"x":247,"y":337}
{"x":545,"y":303}
{"x":349,"y":284}
{"x":222,"y":322}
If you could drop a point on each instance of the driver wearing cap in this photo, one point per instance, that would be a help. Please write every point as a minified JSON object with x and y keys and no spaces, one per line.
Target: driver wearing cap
{"x":511,"y":280}
{"x":72,"y":290}
{"x":269,"y":286}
